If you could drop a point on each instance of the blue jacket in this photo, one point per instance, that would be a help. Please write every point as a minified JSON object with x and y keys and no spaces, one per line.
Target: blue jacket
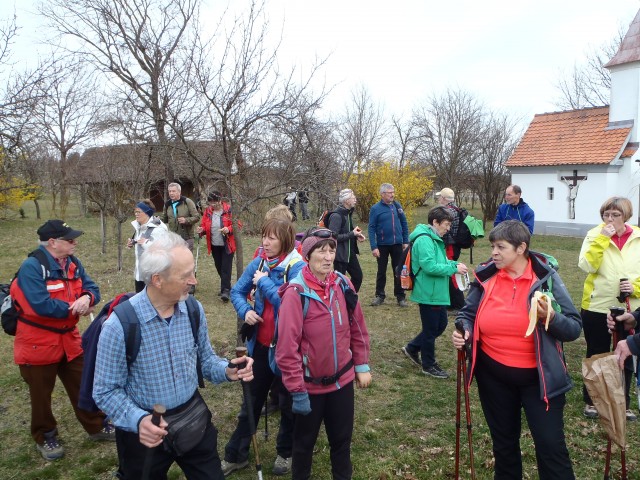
{"x":522,"y":211}
{"x":267,"y":288}
{"x":387,"y":225}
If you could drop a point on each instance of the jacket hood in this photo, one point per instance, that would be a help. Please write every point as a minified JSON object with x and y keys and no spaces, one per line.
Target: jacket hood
{"x":421,"y":229}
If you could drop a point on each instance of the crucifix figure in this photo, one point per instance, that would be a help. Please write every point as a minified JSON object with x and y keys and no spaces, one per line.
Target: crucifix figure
{"x":573,"y":182}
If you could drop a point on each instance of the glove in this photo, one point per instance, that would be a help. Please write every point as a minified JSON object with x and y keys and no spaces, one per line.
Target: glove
{"x":301,"y":403}
{"x":247,"y":331}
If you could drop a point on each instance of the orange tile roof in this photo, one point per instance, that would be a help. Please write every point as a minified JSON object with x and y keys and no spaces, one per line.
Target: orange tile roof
{"x":629,"y":50}
{"x":629,"y":151}
{"x":575,"y":137}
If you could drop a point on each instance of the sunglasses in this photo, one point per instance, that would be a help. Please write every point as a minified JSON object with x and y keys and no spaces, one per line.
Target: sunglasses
{"x":324,"y":233}
{"x":68,"y":240}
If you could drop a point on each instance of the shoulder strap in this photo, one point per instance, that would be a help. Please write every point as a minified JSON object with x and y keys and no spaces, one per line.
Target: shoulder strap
{"x":130,"y":327}
{"x":194,"y":318}
{"x":44,"y":261}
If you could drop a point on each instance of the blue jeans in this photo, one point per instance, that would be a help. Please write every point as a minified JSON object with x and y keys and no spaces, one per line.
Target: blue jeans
{"x":434,"y":323}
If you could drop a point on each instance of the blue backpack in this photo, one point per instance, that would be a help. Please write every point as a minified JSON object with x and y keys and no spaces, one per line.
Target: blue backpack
{"x":129,"y":320}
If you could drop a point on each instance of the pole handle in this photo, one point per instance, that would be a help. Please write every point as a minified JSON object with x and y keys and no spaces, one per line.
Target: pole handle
{"x":158,"y":411}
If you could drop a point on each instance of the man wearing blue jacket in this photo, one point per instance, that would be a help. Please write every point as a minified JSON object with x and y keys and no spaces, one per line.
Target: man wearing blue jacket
{"x":514,"y":208}
{"x":388,"y":236}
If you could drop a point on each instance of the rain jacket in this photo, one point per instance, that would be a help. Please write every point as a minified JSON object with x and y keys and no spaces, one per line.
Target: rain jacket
{"x":225,"y":221}
{"x":184,"y":208}
{"x":151,"y":230}
{"x":387,"y":225}
{"x":430,"y":266}
{"x":522,"y":211}
{"x":605,"y":265}
{"x":322,"y":343}
{"x":565,"y":327}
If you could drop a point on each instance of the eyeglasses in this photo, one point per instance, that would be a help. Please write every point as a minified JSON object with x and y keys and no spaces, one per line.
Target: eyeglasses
{"x":323,"y":233}
{"x":68,"y":240}
{"x":611,"y":215}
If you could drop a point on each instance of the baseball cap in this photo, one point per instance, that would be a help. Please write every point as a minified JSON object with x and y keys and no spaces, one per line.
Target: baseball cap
{"x":446,"y":192}
{"x":57,"y":229}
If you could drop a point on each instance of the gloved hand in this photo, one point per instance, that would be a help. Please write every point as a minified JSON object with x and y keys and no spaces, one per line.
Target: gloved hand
{"x":301,"y":403}
{"x":247,"y":331}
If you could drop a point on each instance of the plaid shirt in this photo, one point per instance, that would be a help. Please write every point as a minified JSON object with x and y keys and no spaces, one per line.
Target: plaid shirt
{"x":164,"y":371}
{"x":453,"y":231}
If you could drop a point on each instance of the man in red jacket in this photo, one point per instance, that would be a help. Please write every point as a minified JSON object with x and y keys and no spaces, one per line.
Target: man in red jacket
{"x":51,"y":292}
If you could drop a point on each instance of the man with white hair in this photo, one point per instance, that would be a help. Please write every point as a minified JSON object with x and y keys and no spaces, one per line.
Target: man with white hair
{"x":164,"y":372}
{"x":388,"y":236}
{"x":348,"y":235}
{"x":180,"y":214}
{"x":446,"y":198}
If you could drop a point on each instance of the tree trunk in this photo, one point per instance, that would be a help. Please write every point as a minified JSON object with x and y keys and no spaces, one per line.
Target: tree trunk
{"x":239,"y":250}
{"x":103,"y":226}
{"x":35,"y":201}
{"x":119,"y":240}
{"x":83,"y":200}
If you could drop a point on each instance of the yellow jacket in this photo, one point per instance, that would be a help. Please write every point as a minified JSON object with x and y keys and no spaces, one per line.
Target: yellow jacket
{"x":605,"y":265}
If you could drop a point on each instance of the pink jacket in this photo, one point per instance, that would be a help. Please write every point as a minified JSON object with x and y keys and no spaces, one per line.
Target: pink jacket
{"x":321,"y":344}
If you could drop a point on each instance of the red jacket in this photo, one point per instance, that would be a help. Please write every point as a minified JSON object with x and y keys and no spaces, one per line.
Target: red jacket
{"x":226,"y":221}
{"x":47,"y":302}
{"x":320,"y":344}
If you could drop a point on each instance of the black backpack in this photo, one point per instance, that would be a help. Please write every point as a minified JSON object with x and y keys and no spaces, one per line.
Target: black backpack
{"x":463,"y":237}
{"x":129,"y":320}
{"x":9,"y":308}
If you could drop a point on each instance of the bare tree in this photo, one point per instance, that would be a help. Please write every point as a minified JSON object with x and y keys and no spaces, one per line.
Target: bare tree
{"x":360,"y":133}
{"x":447,"y":132}
{"x":138,"y":42}
{"x":589,"y":84}
{"x":404,"y":143}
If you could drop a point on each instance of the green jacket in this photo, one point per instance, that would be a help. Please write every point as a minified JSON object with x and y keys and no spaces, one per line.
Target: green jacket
{"x":431,"y":267}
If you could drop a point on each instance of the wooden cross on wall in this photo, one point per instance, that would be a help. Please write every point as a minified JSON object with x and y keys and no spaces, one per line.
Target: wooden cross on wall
{"x":573,"y":190}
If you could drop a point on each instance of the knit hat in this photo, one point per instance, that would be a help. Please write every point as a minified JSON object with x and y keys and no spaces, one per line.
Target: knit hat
{"x":313,"y":238}
{"x":345,"y":194}
{"x":145,"y":208}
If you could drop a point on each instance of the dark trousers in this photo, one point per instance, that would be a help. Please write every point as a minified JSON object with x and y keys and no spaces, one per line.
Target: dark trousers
{"x":434,"y":323}
{"x":395,"y":251}
{"x":503,"y":392}
{"x":335,"y":409}
{"x":200,"y":463}
{"x":223,"y":262}
{"x":237,"y":449}
{"x":456,"y":296}
{"x":304,"y":210}
{"x":598,"y":339}
{"x":353,"y":269}
{"x":41,"y":379}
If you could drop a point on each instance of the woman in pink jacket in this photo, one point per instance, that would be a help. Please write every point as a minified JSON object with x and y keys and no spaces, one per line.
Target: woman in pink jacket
{"x":323,"y":346}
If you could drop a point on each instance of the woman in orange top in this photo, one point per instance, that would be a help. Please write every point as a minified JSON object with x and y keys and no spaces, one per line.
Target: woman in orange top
{"x":514,"y":371}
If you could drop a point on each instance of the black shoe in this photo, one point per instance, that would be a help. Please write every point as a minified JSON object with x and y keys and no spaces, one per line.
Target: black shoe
{"x":435,"y":371}
{"x":402,"y":303}
{"x":413,"y":356}
{"x":224,"y":296}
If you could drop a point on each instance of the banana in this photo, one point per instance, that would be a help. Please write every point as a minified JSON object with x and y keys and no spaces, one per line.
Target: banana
{"x":533,"y":312}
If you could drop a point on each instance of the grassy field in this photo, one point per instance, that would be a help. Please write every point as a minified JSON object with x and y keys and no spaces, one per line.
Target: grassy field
{"x":405,"y":423}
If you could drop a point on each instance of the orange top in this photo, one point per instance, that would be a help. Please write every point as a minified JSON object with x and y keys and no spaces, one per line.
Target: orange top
{"x":504,"y":317}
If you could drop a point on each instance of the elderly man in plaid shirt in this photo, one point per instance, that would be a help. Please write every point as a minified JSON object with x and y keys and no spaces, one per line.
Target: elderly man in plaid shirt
{"x":164,"y":371}
{"x":446,"y":198}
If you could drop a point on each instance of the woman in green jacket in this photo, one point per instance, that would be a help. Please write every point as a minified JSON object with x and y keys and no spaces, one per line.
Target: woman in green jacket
{"x":432,"y":270}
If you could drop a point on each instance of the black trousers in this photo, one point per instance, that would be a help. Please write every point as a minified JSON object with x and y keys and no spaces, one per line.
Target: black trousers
{"x":395,"y":252}
{"x":598,"y":339}
{"x":335,"y":409}
{"x":200,"y":463}
{"x":504,"y":392}
{"x":237,"y":449}
{"x":353,"y":269}
{"x":224,"y":263}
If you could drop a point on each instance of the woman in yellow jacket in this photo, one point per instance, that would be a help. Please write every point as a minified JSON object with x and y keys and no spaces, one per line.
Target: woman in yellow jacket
{"x":610,"y":255}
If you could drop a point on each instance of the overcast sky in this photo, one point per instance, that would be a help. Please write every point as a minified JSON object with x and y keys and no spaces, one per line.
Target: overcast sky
{"x":508,"y":53}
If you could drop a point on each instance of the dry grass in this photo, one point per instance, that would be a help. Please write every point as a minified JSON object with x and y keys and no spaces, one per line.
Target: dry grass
{"x":404,"y":422}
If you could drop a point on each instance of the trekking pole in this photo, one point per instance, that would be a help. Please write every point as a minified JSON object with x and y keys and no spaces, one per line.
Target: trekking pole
{"x":248,"y":402}
{"x":195,"y":270}
{"x":462,"y":377}
{"x":266,"y":414}
{"x":158,"y":411}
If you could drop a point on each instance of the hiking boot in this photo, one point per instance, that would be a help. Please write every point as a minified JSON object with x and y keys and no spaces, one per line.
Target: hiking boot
{"x":413,"y":356}
{"x":51,"y":449}
{"x":403,"y":303}
{"x":590,"y":411}
{"x":631,"y":417}
{"x":224,"y":296}
{"x":229,"y":467}
{"x":281,"y":466}
{"x":435,"y":371}
{"x":108,"y":433}
{"x":377,"y":301}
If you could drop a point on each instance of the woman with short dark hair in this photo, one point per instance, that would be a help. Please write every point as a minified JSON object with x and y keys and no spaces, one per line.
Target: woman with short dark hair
{"x":147,"y":227}
{"x":519,"y":365}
